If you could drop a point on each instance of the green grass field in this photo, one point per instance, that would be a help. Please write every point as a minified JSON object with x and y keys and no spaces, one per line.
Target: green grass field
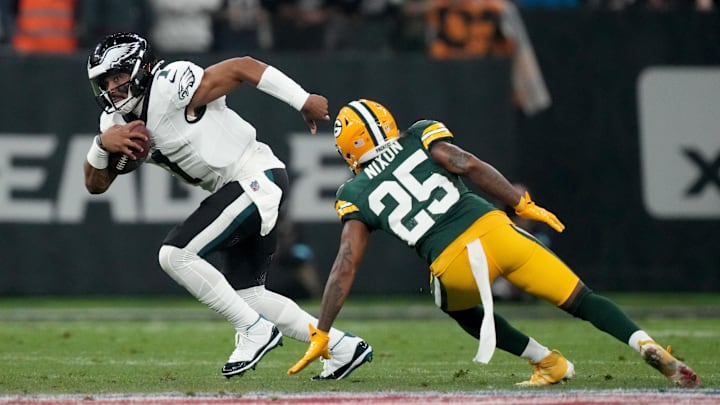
{"x":97,"y":346}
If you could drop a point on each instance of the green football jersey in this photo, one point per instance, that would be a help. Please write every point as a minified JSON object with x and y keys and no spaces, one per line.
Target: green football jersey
{"x":405,"y":193}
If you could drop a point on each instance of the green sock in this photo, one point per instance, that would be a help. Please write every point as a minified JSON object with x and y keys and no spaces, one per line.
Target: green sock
{"x":603,"y":314}
{"x":508,"y":338}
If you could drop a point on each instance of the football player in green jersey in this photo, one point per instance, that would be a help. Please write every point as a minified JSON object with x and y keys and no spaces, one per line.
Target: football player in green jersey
{"x":411,"y":187}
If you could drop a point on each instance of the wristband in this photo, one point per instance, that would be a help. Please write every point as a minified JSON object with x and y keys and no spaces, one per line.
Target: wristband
{"x":98,"y":141}
{"x":97,"y":156}
{"x":278,"y":85}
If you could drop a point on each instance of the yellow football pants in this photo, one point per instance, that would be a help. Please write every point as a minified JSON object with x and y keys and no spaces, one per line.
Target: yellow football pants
{"x":511,"y":253}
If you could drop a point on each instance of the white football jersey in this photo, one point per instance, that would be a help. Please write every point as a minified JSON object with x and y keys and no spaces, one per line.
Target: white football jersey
{"x":209,"y":150}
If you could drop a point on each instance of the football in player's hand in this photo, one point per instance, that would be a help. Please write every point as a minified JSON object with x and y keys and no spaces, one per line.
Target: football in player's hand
{"x":121,"y":163}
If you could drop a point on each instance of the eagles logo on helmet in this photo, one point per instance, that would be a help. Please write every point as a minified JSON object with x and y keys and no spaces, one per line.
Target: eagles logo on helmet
{"x":361,"y":129}
{"x":123,"y":52}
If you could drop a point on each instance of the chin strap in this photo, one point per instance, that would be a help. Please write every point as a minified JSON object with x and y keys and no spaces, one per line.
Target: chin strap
{"x":130,"y":105}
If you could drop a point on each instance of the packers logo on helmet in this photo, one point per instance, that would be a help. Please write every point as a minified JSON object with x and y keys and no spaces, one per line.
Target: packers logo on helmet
{"x":361,"y":129}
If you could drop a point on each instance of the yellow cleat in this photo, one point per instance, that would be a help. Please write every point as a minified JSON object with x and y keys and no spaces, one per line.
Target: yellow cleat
{"x":554,"y":368}
{"x":675,"y":370}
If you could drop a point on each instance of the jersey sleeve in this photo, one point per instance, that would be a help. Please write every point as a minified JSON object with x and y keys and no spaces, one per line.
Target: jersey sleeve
{"x":177,"y":82}
{"x":345,"y":208}
{"x":430,"y":131}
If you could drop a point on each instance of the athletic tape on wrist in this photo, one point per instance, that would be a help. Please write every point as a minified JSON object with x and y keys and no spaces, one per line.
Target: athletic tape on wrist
{"x":97,"y":156}
{"x":278,"y":85}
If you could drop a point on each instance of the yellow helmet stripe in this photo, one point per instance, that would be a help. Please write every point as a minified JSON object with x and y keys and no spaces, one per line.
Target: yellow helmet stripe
{"x":435,"y":131}
{"x":370,"y":121}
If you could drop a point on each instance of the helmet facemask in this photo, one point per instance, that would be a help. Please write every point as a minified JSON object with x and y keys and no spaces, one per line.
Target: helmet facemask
{"x":362,"y":130}
{"x":104,"y":99}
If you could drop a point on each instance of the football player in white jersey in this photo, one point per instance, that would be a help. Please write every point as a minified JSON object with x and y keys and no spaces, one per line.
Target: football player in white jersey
{"x":194,"y":135}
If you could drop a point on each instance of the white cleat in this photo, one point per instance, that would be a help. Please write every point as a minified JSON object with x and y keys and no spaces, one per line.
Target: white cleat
{"x":251,"y":345}
{"x":347,"y":355}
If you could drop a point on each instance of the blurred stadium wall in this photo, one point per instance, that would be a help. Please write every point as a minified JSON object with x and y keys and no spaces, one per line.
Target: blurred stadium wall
{"x":628,"y":156}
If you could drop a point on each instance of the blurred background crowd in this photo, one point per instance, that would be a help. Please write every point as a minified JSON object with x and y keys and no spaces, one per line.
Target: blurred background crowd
{"x":439,"y":26}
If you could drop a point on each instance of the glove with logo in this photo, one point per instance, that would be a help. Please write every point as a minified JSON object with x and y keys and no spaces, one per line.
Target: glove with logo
{"x":318,"y":347}
{"x":527,"y":209}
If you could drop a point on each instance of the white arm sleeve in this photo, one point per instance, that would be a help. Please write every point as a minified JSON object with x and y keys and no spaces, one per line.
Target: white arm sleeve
{"x":278,"y":85}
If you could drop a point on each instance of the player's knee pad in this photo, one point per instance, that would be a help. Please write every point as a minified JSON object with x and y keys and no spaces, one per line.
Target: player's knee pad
{"x":172,"y":258}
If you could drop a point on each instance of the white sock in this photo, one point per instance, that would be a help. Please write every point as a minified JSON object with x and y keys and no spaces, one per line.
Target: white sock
{"x":534,"y":351}
{"x":285,"y":313}
{"x":207,"y":284}
{"x":637,"y":337}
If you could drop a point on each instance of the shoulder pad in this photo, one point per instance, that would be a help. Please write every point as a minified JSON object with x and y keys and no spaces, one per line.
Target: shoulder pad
{"x":177,"y":82}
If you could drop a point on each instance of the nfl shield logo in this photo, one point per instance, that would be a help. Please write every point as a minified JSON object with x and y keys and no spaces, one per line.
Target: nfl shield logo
{"x":255,"y":186}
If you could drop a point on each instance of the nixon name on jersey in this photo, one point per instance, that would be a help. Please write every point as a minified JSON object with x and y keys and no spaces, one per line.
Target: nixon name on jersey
{"x":387,"y":154}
